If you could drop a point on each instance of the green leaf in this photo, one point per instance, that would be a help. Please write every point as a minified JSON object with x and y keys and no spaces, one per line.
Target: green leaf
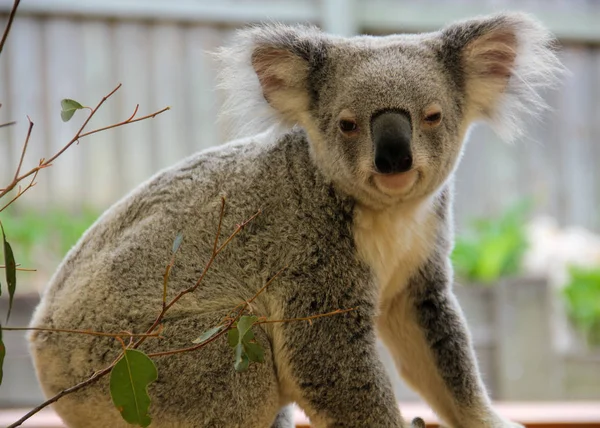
{"x":241,"y":338}
{"x":241,"y":359}
{"x":177,"y":242}
{"x":255,"y":352}
{"x":68,"y":109}
{"x":129,"y":380}
{"x":2,"y":355}
{"x":244,"y":326}
{"x":208,"y":334}
{"x":11,"y":272}
{"x":233,"y":337}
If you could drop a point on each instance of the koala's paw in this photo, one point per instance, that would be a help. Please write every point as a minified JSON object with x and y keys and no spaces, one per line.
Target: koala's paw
{"x":417,"y":423}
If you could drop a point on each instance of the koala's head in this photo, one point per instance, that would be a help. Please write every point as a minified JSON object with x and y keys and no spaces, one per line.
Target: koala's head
{"x":386,"y":116}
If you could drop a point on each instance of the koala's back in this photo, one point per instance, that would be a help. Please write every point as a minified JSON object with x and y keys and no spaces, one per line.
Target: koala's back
{"x":121,"y":260}
{"x":112,"y":279}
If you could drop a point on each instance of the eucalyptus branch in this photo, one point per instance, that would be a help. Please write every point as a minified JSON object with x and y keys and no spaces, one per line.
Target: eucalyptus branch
{"x":225,"y":327}
{"x":18,"y":269}
{"x":95,"y":377}
{"x":85,"y":332}
{"x":309,"y":319}
{"x":11,"y":18}
{"x":150,"y":332}
{"x":44,"y":163}
{"x":216,"y":250}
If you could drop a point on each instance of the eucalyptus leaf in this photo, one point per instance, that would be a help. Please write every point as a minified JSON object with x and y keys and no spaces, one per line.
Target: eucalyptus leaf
{"x":11,"y":273}
{"x":244,"y":325}
{"x":68,"y":109}
{"x":177,"y":242}
{"x":255,"y":352}
{"x":129,"y":380}
{"x":241,"y":359}
{"x":233,"y":337}
{"x":208,"y":334}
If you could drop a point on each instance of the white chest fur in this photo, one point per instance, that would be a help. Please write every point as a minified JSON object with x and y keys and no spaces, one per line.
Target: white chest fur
{"x":395,"y":242}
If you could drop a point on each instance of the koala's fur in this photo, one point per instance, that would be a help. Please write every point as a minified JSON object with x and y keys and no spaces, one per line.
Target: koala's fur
{"x":349,"y":237}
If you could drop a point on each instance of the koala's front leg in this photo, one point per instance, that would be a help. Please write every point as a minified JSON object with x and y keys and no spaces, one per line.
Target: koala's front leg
{"x":424,"y":329}
{"x":332,"y":370}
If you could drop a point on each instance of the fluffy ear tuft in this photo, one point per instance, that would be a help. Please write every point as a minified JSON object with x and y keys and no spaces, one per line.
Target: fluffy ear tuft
{"x":265,"y":74}
{"x":501,"y":63}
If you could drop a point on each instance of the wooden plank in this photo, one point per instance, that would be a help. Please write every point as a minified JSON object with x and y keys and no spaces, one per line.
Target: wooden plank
{"x":533,"y":415}
{"x":6,"y":114}
{"x":200,"y":109}
{"x":63,"y":79}
{"x":223,"y":11}
{"x":103,"y":177}
{"x":168,"y":89}
{"x":576,"y":165}
{"x":133,"y":67}
{"x":578,"y":24}
{"x":25,"y":95}
{"x":527,"y":365}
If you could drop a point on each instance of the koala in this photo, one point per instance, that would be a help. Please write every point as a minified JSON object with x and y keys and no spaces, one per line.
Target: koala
{"x":348,"y":148}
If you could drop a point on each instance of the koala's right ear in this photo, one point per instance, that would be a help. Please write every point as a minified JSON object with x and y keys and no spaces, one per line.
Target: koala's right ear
{"x":268,"y":74}
{"x":500,"y":62}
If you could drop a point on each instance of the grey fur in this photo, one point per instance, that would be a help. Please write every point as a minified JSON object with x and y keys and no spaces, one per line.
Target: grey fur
{"x":315,"y":187}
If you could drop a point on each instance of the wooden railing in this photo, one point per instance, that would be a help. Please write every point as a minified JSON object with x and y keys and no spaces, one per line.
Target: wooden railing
{"x":532,"y":415}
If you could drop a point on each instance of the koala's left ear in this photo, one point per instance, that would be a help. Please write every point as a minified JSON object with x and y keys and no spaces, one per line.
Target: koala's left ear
{"x":270,"y":74}
{"x":501,"y":62}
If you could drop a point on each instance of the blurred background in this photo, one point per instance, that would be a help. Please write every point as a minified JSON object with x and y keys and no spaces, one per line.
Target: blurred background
{"x":527,"y":257}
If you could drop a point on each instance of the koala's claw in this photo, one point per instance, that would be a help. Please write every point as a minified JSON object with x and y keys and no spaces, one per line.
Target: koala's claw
{"x":417,"y":423}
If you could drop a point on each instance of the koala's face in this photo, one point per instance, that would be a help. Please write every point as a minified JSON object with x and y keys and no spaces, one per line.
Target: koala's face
{"x":387,"y":120}
{"x":386,"y":116}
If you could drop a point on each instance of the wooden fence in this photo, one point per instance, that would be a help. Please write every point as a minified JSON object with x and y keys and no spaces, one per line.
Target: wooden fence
{"x":81,"y":50}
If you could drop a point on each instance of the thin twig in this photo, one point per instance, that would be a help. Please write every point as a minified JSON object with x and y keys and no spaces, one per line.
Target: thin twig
{"x":96,"y":376}
{"x":14,"y":122}
{"x":44,"y":163}
{"x":24,"y":148}
{"x":125,"y":122}
{"x":11,"y":18}
{"x":22,"y":192}
{"x":226,"y":327}
{"x":221,"y":215}
{"x":193,"y":288}
{"x":87,"y":332}
{"x":309,"y":319}
{"x":137,"y":106}
{"x":20,"y":269}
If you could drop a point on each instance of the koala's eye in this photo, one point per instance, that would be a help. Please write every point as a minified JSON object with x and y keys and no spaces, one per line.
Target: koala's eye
{"x":348,"y":125}
{"x":433,"y":119}
{"x":432,"y":116}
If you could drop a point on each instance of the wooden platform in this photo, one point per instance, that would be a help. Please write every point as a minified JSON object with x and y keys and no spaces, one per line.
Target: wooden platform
{"x":534,"y":415}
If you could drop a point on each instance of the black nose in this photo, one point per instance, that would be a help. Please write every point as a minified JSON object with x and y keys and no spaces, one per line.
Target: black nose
{"x":392,"y":133}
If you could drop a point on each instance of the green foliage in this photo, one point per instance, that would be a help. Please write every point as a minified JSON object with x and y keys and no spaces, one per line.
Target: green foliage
{"x":47,"y":234}
{"x":246,"y":348}
{"x":10,"y":267}
{"x":177,"y":243}
{"x":208,"y":334}
{"x":493,"y":248}
{"x":582,"y":295}
{"x":68,"y":109}
{"x":129,"y":380}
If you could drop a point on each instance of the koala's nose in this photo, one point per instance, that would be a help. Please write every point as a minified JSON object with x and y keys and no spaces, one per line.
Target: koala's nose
{"x":392,"y":133}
